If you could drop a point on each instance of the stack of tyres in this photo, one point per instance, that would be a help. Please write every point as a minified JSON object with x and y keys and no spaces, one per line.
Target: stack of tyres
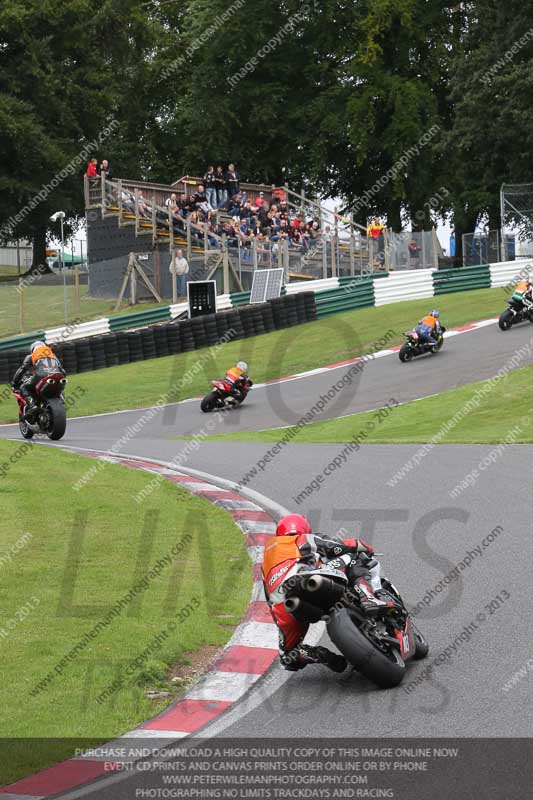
{"x":279,"y":312}
{"x":211,"y":333}
{"x":198,"y":332}
{"x":148,"y":343}
{"x":300,"y":308}
{"x":84,"y":355}
{"x":135,"y":346}
{"x":290,"y":305}
{"x":186,"y":335}
{"x":310,"y":305}
{"x":257,"y":317}
{"x":235,"y":324}
{"x":173,"y":338}
{"x":123,"y":347}
{"x":222,"y":323}
{"x":69,"y":359}
{"x":161,"y":341}
{"x":268,"y":317}
{"x":111,"y":350}
{"x":98,"y":352}
{"x":246,"y":315}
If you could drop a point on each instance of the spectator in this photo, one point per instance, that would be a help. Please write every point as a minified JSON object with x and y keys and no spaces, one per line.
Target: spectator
{"x":414,"y":250}
{"x":314,"y":231}
{"x":171,"y":201}
{"x":221,"y":187}
{"x":232,"y":180}
{"x":106,"y":169}
{"x":211,"y":187}
{"x":259,"y":200}
{"x":128,"y":201}
{"x":179,"y":267}
{"x":200,"y":200}
{"x":142,"y":204}
{"x":92,"y":171}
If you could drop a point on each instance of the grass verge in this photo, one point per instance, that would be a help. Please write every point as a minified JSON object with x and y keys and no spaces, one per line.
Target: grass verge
{"x":67,"y":558}
{"x":272,"y":355}
{"x":44,"y":307}
{"x":454,"y":417}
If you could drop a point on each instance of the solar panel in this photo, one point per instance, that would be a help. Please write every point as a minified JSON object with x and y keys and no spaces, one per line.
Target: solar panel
{"x":266,"y":284}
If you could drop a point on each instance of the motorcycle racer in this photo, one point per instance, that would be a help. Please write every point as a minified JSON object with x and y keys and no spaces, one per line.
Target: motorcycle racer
{"x":238,"y":375}
{"x":525,"y":288}
{"x":295,"y":549}
{"x":40,"y":362}
{"x":429,"y":328}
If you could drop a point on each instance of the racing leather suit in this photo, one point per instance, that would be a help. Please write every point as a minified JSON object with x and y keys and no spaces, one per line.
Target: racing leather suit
{"x":39,"y":364}
{"x":286,"y":556}
{"x":236,"y":378}
{"x":428,"y":328}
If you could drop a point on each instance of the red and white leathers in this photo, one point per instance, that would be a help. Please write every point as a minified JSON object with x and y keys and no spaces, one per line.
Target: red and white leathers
{"x":286,"y":556}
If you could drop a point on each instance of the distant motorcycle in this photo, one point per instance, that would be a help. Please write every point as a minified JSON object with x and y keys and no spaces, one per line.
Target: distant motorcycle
{"x":517,"y":312}
{"x":414,"y":346}
{"x":225,"y":395}
{"x":49,"y":415}
{"x":377,"y":647}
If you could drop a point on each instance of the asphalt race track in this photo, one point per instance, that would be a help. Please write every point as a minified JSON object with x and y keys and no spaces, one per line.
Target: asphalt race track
{"x":474,"y":355}
{"x":422,"y":531}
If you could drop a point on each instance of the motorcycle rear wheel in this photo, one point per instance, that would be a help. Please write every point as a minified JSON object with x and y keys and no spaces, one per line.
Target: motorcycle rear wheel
{"x":406,"y":353}
{"x":385,"y":670}
{"x":209,"y":402}
{"x":57,"y":419}
{"x":506,"y":320}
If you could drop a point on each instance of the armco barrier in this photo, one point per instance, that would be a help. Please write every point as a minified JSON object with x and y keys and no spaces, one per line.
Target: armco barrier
{"x":68,"y":333}
{"x":140,"y":319}
{"x":509,"y":273}
{"x":98,"y":352}
{"x":354,"y":295}
{"x":461,"y":280}
{"x":411,"y":285}
{"x":20,"y":341}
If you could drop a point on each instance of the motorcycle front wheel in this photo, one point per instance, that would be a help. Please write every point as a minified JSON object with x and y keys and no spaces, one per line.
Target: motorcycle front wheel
{"x":25,"y":429}
{"x":209,"y":402}
{"x":57,"y":419}
{"x":385,"y":669}
{"x":506,"y":320}
{"x":406,"y":353}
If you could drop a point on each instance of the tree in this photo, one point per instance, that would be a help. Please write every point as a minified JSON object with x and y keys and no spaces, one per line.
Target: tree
{"x":75,"y":80}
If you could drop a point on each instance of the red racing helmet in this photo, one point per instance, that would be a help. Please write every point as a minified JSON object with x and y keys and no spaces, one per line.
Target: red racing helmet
{"x":293,"y":525}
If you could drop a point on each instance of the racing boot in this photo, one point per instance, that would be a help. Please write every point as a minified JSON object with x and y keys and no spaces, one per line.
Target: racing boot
{"x":370,"y":604}
{"x":304,"y":654}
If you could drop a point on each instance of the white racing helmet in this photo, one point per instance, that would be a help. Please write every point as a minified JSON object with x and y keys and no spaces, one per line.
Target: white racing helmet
{"x":37,"y":344}
{"x":242,"y":365}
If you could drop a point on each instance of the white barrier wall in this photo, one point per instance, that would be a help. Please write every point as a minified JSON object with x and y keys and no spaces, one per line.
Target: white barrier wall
{"x":73,"y":331}
{"x":406,"y":285}
{"x":510,"y":272}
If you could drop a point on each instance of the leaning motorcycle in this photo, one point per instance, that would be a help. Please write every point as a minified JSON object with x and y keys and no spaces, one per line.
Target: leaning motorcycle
{"x":414,"y":346}
{"x":49,"y":415}
{"x":378,"y":646}
{"x":225,"y":395}
{"x":517,"y":312}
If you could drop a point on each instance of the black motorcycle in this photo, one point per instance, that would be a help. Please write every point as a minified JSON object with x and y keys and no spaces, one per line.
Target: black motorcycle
{"x":517,"y":312}
{"x":378,"y":646}
{"x":414,"y":346}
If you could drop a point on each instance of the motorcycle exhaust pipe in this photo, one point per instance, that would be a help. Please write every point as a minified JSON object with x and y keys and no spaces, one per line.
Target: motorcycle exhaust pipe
{"x":63,"y":381}
{"x":302,"y":610}
{"x":323,"y":589}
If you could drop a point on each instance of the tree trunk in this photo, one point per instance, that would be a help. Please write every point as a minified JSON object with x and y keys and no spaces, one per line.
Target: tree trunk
{"x":464,"y":221}
{"x":39,"y":263}
{"x":394,"y":219}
